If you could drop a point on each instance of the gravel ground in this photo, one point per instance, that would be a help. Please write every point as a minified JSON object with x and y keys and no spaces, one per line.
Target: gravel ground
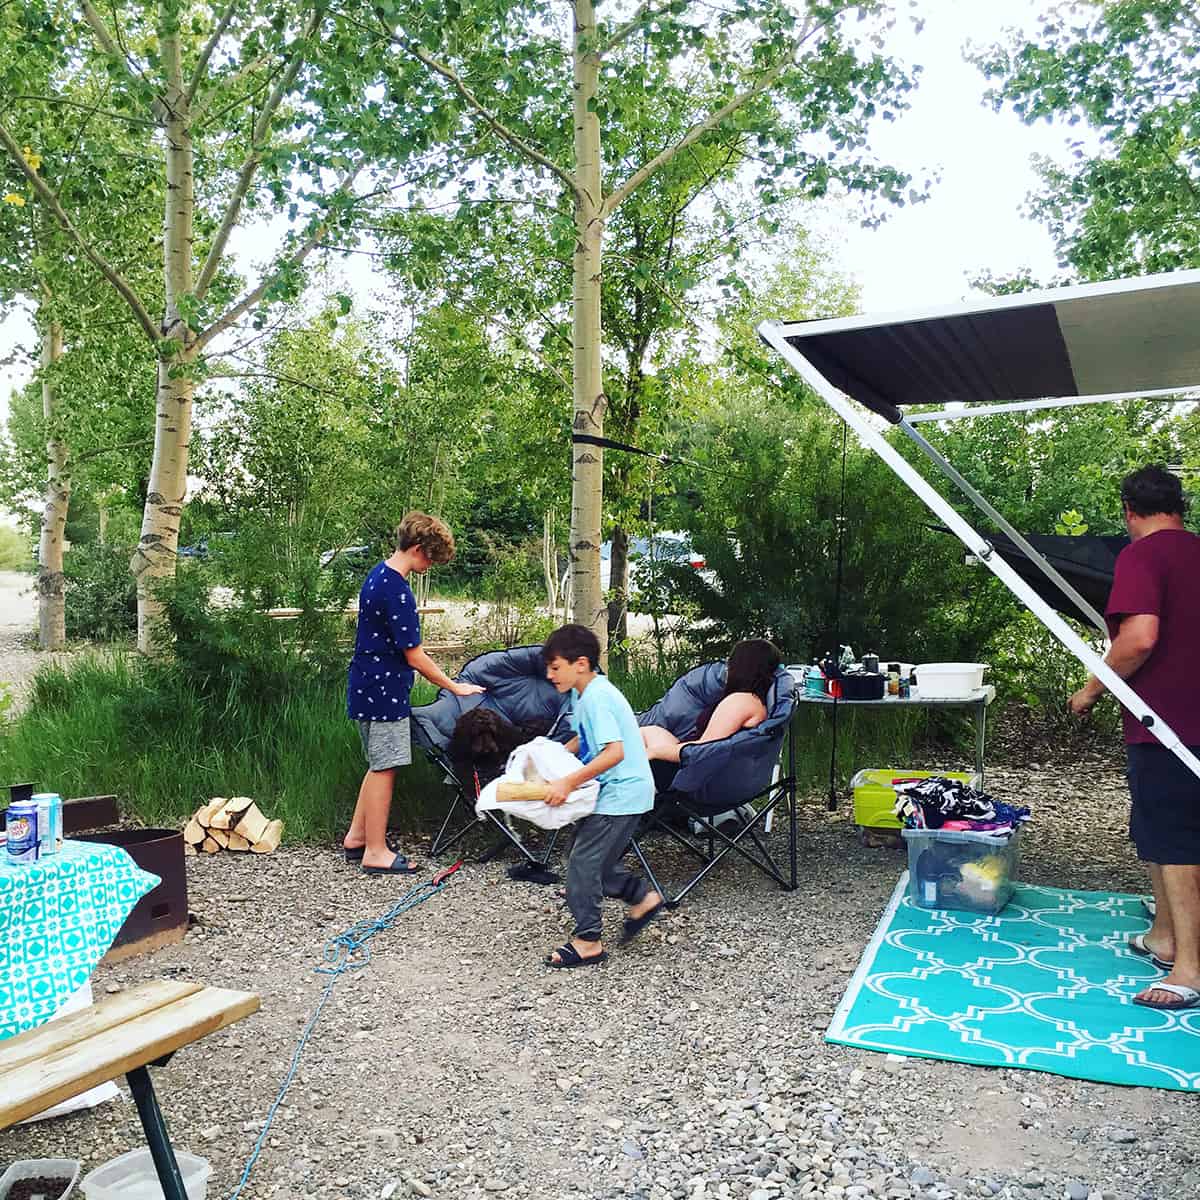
{"x":691,"y":1065}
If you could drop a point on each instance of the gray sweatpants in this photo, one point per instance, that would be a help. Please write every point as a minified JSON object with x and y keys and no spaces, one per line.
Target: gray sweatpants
{"x":594,"y":870}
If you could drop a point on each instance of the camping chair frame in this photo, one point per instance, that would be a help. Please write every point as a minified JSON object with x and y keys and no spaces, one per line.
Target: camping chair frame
{"x":462,"y":805}
{"x":1042,"y":350}
{"x":446,"y":837}
{"x":716,"y":777}
{"x":716,"y":844}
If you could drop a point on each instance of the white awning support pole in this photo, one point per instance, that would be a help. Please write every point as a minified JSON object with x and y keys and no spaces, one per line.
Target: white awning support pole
{"x":1171,"y":395}
{"x":871,"y":437}
{"x":981,"y":502}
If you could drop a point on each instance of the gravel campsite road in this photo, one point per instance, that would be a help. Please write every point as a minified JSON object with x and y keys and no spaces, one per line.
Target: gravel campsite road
{"x":690,"y":1067}
{"x":18,"y":620}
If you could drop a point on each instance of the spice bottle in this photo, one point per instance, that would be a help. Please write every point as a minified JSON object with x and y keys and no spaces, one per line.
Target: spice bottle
{"x":893,"y":679}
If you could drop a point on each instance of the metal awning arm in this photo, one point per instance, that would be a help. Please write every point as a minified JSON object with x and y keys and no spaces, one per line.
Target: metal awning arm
{"x":981,"y":502}
{"x":871,"y":437}
{"x":1172,"y":395}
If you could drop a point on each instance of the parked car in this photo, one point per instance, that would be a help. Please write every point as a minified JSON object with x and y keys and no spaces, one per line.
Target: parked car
{"x":203,"y":548}
{"x":644,"y":553}
{"x":359,"y":559}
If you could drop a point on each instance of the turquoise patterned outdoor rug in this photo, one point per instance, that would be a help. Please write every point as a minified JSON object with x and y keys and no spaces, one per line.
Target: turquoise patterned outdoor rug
{"x":1047,"y":984}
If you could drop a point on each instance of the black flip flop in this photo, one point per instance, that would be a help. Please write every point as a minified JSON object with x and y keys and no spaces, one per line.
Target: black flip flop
{"x":400,"y":866}
{"x":355,"y":854}
{"x":568,"y":956}
{"x":635,"y":925}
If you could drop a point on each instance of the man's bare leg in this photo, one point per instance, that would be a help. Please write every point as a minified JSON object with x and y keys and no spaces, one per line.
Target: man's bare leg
{"x":1160,"y":937}
{"x":1181,"y":887}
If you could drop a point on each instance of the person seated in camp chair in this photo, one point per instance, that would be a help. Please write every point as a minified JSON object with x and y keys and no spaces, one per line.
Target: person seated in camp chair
{"x":608,"y":744}
{"x":743,"y":703}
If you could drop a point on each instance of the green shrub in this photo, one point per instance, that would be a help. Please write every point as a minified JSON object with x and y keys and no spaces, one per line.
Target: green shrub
{"x":1031,"y":667}
{"x":16,"y":550}
{"x":101,"y":598}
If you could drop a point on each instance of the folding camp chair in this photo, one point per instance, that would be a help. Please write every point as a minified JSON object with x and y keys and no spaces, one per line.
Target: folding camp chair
{"x":738,"y":777}
{"x":516,"y":688}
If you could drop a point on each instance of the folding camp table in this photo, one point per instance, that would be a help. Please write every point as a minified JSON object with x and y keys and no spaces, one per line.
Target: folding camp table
{"x":977,"y":701}
{"x":1093,"y":344}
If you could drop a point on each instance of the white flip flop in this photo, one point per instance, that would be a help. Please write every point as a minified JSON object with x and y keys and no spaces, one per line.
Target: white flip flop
{"x":1188,"y":997}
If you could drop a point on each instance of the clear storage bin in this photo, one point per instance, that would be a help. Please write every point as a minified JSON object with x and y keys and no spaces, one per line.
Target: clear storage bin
{"x":961,"y":869}
{"x":132,"y":1177}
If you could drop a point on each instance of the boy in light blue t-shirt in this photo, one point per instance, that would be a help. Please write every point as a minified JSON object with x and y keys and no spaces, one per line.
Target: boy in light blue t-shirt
{"x":609,"y":744}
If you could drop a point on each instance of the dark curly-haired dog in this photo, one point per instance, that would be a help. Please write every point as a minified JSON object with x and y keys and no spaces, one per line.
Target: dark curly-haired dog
{"x":483,"y":740}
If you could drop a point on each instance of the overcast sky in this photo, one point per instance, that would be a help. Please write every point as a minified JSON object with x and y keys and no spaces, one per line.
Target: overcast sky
{"x":923,"y":254}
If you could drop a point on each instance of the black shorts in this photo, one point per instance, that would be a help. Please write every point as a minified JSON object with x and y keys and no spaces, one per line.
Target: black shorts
{"x":1164,"y":821}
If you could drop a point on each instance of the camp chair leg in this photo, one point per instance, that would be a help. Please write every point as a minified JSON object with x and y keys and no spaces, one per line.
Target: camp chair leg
{"x":441,"y":842}
{"x":650,"y":875}
{"x":157,"y":1138}
{"x":764,"y":861}
{"x":793,"y":832}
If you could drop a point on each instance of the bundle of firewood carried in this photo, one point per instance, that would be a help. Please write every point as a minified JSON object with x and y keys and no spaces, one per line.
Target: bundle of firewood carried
{"x":231,"y":823}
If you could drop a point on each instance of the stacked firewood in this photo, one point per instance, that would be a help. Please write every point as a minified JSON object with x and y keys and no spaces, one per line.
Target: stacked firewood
{"x":231,"y":823}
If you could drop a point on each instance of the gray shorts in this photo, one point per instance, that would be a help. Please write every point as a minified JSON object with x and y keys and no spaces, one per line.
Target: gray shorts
{"x":386,"y":744}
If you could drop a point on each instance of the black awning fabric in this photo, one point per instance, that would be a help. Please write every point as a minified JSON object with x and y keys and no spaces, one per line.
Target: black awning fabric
{"x":1009,"y":354}
{"x":1125,"y":336}
{"x":1085,"y":562}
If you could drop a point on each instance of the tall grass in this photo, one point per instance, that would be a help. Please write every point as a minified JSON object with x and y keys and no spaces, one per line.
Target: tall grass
{"x":122,"y":726}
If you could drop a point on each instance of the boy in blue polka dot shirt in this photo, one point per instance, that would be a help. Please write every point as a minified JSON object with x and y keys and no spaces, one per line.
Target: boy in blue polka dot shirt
{"x":387,"y":652}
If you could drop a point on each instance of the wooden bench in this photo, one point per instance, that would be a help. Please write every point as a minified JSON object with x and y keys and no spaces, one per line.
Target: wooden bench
{"x":122,"y":1035}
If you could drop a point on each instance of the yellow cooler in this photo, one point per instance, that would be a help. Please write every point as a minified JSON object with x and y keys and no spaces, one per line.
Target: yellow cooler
{"x":875,"y":793}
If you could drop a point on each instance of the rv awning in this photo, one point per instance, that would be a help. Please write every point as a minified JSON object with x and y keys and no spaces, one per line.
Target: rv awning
{"x":1128,"y":336}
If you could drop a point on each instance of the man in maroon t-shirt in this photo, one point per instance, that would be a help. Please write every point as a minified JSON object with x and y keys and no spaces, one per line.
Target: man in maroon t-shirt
{"x":1154,"y":624}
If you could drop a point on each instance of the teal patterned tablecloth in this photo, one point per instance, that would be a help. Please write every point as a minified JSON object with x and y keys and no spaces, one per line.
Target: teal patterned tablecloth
{"x":58,"y":916}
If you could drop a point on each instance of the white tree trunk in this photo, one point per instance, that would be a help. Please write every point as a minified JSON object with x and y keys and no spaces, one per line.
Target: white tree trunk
{"x":587,"y":478}
{"x":154,"y":559}
{"x":52,"y":610}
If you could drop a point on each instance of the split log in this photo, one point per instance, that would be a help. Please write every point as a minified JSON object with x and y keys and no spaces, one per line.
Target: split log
{"x":253,"y":825}
{"x":219,"y":836}
{"x":520,"y":791}
{"x":210,"y":845}
{"x":269,"y":842}
{"x":193,"y":832}
{"x":231,"y":813}
{"x":204,"y":813}
{"x":189,"y":849}
{"x":237,"y":842}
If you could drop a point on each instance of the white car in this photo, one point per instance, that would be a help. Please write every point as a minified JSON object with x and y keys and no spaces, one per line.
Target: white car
{"x":667,"y":546}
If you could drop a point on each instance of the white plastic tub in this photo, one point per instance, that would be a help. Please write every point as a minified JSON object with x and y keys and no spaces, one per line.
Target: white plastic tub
{"x":132,"y":1177}
{"x":41,"y":1168}
{"x":949,"y":681}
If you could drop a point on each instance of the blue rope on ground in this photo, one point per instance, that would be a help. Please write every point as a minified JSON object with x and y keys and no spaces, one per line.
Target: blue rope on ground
{"x":349,"y":950}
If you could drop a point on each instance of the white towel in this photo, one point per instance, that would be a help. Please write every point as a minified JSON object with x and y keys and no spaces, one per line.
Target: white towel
{"x":551,"y":760}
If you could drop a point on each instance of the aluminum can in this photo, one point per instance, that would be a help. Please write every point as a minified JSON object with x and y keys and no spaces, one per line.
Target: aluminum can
{"x":22,"y":823}
{"x":49,"y":822}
